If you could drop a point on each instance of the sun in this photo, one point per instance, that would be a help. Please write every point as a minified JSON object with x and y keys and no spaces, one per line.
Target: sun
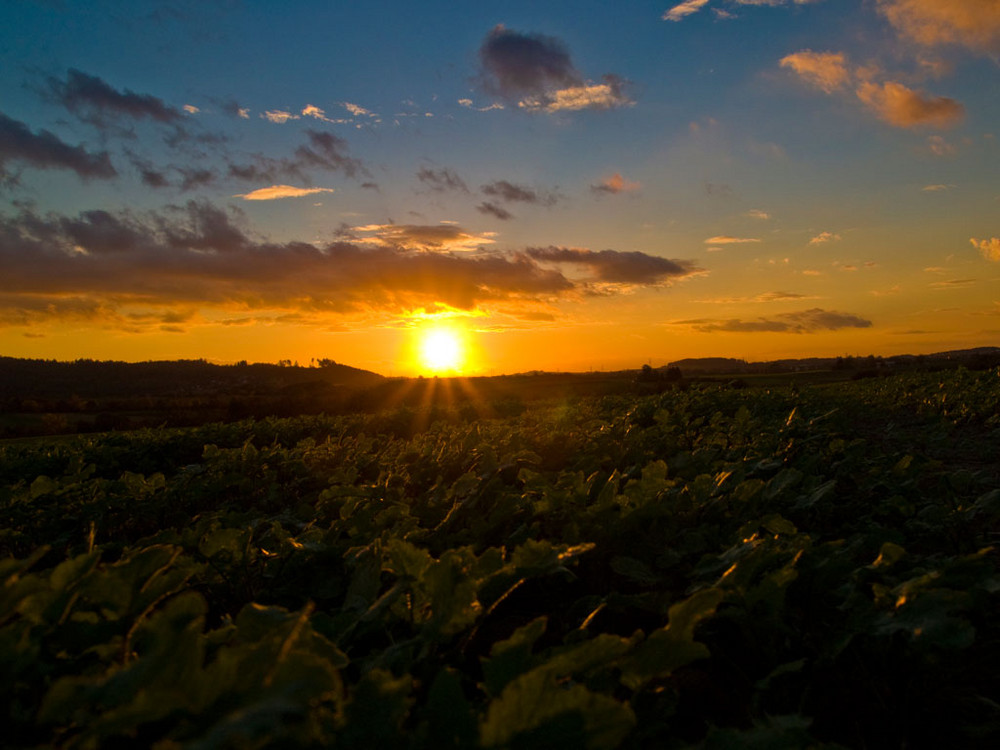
{"x":441,"y":350}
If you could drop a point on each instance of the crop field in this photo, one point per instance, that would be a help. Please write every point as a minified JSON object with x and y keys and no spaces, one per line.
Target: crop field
{"x":707,"y":567}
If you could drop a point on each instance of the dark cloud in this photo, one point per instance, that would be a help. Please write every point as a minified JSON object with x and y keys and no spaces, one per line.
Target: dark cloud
{"x":195,"y":178}
{"x":492,"y":209}
{"x":617,"y":267}
{"x":327,"y":151}
{"x":536,"y":72}
{"x":512,"y":193}
{"x":442,"y":180}
{"x":43,"y":150}
{"x":804,"y":321}
{"x":199,"y":255}
{"x":96,"y":102}
{"x":517,"y":65}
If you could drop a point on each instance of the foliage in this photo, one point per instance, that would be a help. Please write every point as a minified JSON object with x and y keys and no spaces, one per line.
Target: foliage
{"x":704,"y":567}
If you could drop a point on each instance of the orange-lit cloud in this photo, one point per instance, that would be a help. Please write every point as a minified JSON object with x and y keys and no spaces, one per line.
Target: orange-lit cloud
{"x":278,"y":116}
{"x":756,"y":213}
{"x":615,"y":184}
{"x":804,"y":321}
{"x":724,"y":239}
{"x":974,"y":24}
{"x":438,"y":237}
{"x":683,"y":10}
{"x":989,"y":248}
{"x":825,"y":70}
{"x":903,"y":107}
{"x":822,"y":237}
{"x":276,"y":192}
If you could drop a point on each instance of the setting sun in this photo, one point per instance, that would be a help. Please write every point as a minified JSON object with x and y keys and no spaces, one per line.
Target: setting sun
{"x":441,"y":350}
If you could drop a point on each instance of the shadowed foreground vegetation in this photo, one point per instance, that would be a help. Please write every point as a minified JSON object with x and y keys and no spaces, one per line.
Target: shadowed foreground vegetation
{"x":710,"y":567}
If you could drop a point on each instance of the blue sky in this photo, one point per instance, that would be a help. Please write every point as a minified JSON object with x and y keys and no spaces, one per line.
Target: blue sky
{"x":243,"y":180}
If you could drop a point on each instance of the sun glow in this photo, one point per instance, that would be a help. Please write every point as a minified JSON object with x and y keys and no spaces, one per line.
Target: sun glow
{"x":442,"y":350}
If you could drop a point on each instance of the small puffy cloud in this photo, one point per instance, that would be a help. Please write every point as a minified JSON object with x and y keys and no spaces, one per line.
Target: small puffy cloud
{"x":536,"y":71}
{"x":725,"y":239}
{"x":442,"y":180}
{"x":936,"y":188}
{"x":96,"y":102}
{"x":824,"y":237}
{"x":825,"y":70}
{"x":615,"y":184}
{"x":191,"y":109}
{"x":804,"y":321}
{"x":903,"y":107}
{"x":756,"y":213}
{"x":617,"y":267}
{"x":989,"y":248}
{"x":685,"y":9}
{"x":357,"y":110}
{"x":276,"y":192}
{"x":938,"y":146}
{"x":311,"y":110}
{"x":513,"y":193}
{"x":973,"y":24}
{"x":279,"y":116}
{"x":44,"y":150}
{"x":438,"y":237}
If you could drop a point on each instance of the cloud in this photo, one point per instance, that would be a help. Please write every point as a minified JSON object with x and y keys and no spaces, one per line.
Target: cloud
{"x":536,"y":71}
{"x":437,"y":237}
{"x":44,"y":150}
{"x":756,"y":213}
{"x":94,"y":101}
{"x":327,"y":151}
{"x":936,"y":188}
{"x":279,"y":116}
{"x":276,"y":192}
{"x":938,"y":146}
{"x":685,"y":9}
{"x":608,"y":95}
{"x":513,"y":193}
{"x":191,"y":109}
{"x":989,"y":248}
{"x":724,"y":239}
{"x":613,"y":266}
{"x":199,"y":256}
{"x":492,"y":209}
{"x":615,"y":184}
{"x":824,"y":70}
{"x":952,"y":283}
{"x":442,"y":180}
{"x":804,"y":321}
{"x":903,"y":107}
{"x":823,"y":237}
{"x":973,"y":24}
{"x":358,"y":111}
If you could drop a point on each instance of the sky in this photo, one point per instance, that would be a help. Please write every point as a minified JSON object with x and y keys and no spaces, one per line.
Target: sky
{"x":555,"y":186}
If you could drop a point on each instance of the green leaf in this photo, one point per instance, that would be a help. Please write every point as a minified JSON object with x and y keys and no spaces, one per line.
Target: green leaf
{"x":512,"y":657}
{"x":537,"y":710}
{"x":674,"y":646}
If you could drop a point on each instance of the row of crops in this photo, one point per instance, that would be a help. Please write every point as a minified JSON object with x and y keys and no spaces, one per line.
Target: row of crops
{"x":708,"y":567}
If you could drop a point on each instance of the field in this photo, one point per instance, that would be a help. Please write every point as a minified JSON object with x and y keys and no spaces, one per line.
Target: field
{"x":773,"y":566}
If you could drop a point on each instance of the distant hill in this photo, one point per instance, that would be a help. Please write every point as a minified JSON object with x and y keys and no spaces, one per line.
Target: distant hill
{"x":982,"y":355}
{"x":40,"y":378}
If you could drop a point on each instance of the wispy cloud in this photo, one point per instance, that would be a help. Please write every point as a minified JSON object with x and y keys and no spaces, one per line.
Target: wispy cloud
{"x":536,"y":72}
{"x":513,"y":193}
{"x":683,"y":10}
{"x":804,"y":321}
{"x":725,"y":239}
{"x":973,"y":24}
{"x":617,"y":267}
{"x":824,"y":70}
{"x":937,"y":188}
{"x":279,"y":116}
{"x":990,"y":248}
{"x":442,"y":180}
{"x":437,"y":237}
{"x":44,"y":150}
{"x":615,"y":184}
{"x":492,"y":209}
{"x":824,"y":237}
{"x":756,"y":213}
{"x":95,"y":101}
{"x":276,"y":192}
